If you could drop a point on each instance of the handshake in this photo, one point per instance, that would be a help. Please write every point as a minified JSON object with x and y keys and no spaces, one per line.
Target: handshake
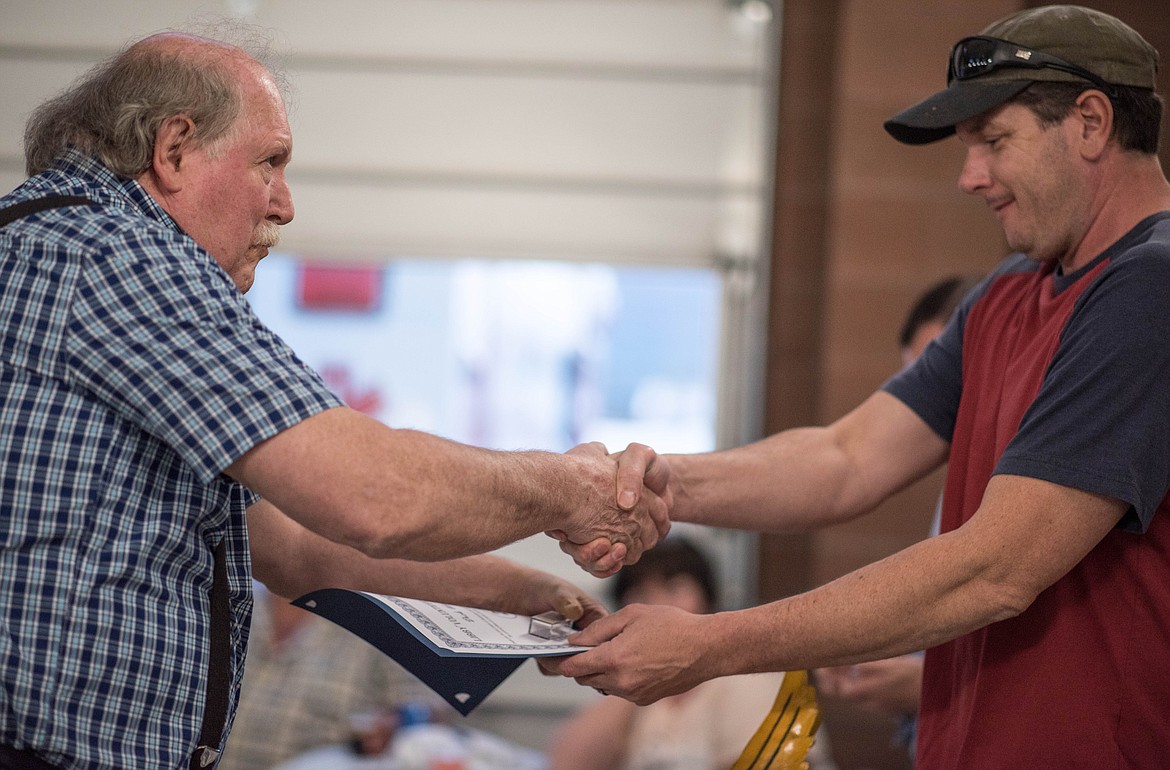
{"x":624,"y":509}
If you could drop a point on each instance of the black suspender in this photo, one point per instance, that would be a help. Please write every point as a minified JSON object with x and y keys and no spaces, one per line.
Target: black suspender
{"x":215,"y":708}
{"x":24,"y":208}
{"x":218,"y":669}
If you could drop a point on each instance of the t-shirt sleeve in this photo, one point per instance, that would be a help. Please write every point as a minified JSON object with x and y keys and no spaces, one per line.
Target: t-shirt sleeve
{"x":167,"y":341}
{"x":1101,"y":421}
{"x":931,"y":386}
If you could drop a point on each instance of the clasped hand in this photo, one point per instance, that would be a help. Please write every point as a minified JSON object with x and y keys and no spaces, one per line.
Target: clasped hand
{"x":628,"y":513}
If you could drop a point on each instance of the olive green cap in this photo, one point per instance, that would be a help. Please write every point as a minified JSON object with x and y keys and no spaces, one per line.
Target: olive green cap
{"x":1090,"y":39}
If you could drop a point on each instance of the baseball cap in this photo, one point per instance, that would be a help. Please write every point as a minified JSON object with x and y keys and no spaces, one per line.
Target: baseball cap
{"x":1061,"y":43}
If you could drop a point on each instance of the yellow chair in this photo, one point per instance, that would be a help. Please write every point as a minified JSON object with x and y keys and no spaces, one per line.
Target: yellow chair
{"x":783,"y":739}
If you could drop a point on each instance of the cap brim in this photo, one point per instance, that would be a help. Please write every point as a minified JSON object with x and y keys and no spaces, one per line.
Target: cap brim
{"x":935,"y":118}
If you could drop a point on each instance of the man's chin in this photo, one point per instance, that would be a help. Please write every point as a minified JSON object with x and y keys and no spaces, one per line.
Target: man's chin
{"x":244,"y":282}
{"x":245,"y":275}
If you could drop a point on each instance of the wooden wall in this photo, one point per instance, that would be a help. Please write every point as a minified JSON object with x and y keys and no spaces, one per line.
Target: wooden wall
{"x":862,"y":225}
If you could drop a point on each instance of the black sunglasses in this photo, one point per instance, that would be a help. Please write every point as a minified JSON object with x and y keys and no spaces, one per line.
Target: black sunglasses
{"x":975,"y":56}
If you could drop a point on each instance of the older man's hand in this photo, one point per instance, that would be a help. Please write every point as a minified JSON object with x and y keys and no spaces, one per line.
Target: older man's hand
{"x":629,"y":512}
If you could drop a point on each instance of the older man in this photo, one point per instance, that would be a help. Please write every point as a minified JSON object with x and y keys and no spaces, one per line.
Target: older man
{"x":157,"y":443}
{"x":1046,"y":599}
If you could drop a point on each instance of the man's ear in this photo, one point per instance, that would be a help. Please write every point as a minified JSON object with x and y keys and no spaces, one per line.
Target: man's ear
{"x":1095,"y":112}
{"x":173,"y":140}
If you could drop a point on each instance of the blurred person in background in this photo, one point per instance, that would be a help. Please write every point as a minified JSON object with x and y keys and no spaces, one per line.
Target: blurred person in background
{"x":702,"y":729}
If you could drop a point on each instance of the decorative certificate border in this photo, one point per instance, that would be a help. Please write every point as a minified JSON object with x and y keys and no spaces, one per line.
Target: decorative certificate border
{"x":426,"y":624}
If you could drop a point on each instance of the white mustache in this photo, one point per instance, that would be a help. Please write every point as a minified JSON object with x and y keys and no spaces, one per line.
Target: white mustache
{"x":267,"y":234}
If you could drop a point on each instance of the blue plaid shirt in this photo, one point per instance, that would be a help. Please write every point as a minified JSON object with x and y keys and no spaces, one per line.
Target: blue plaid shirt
{"x":132,"y":373}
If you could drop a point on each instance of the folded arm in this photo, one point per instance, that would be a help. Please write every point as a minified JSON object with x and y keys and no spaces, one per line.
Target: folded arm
{"x":892,"y":685}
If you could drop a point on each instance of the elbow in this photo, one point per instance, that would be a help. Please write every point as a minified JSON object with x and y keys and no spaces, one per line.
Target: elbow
{"x":1009,"y":599}
{"x":1011,"y":605}
{"x":850,"y":501}
{"x":376,"y":524}
{"x":382,"y":534}
{"x":391,"y":543}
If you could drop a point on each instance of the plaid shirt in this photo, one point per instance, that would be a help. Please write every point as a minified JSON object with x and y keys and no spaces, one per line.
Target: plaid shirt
{"x":132,"y":373}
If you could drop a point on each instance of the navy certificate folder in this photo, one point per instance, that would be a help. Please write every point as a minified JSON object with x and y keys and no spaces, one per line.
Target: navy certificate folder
{"x":462,"y":679}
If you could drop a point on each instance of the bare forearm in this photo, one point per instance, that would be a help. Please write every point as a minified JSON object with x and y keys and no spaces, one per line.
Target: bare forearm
{"x":448,"y":499}
{"x":990,"y":569}
{"x":475,"y":581}
{"x":808,"y":477}
{"x":644,"y":653}
{"x":875,"y":612}
{"x":774,"y":485}
{"x":408,"y":494}
{"x":292,"y":561}
{"x":428,"y":498}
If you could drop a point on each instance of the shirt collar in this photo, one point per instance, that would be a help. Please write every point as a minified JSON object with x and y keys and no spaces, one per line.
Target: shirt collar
{"x":76,"y":164}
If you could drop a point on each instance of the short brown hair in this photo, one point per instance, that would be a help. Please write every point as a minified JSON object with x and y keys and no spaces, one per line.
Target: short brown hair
{"x":1137,"y":112}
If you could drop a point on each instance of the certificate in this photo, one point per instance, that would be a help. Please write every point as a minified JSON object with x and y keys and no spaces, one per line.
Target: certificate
{"x":462,"y":653}
{"x":471,"y":631}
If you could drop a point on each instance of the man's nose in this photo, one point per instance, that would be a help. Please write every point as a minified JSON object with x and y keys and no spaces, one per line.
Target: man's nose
{"x":280,"y":206}
{"x":973,"y":176}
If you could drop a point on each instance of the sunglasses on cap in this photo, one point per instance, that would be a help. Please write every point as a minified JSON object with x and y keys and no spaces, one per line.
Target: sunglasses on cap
{"x":975,"y":56}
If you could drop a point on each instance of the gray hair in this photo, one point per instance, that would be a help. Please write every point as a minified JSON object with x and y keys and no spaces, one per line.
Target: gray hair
{"x":115,"y":110}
